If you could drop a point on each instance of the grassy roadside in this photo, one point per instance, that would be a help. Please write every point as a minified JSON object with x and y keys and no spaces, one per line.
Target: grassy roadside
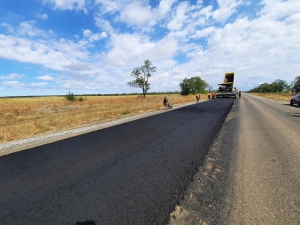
{"x":28,"y":117}
{"x":276,"y":96}
{"x":31,"y":116}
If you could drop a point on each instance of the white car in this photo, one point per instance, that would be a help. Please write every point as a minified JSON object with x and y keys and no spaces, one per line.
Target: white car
{"x":295,"y":100}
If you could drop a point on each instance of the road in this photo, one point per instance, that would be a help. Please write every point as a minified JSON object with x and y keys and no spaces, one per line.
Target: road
{"x":132,"y":173}
{"x":252,"y":172}
{"x":210,"y":166}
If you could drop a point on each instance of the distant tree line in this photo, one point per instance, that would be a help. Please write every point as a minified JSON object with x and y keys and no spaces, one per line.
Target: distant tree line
{"x":121,"y":94}
{"x":278,"y":86}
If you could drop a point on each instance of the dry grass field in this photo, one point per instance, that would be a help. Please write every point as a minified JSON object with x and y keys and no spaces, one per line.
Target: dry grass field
{"x":275,"y":96}
{"x":31,"y":116}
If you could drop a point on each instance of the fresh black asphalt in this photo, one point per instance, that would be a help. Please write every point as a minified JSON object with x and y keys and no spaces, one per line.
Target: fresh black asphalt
{"x":132,"y":173}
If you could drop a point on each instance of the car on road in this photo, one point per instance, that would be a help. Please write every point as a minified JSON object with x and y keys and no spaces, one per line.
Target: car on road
{"x":295,"y":100}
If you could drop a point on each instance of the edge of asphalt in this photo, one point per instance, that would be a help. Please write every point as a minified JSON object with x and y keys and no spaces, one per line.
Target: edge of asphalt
{"x":207,"y":193}
{"x":23,"y":144}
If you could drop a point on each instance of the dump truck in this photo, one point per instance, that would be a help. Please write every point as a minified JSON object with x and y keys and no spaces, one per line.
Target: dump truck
{"x":226,"y":89}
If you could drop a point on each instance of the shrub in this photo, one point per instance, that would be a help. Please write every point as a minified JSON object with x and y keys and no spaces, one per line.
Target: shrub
{"x":81,"y":98}
{"x":70,"y":96}
{"x":125,"y":113}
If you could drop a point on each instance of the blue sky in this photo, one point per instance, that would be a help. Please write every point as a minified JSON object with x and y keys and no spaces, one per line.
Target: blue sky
{"x":50,"y":47}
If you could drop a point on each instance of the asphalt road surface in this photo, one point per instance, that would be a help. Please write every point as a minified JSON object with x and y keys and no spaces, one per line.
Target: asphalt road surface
{"x":133,"y":173}
{"x":211,"y":166}
{"x":251,"y":174}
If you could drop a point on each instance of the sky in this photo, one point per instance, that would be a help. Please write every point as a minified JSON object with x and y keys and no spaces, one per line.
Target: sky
{"x":51,"y":47}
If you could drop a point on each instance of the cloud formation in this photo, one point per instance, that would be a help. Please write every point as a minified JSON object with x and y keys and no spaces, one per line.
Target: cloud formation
{"x":108,"y":39}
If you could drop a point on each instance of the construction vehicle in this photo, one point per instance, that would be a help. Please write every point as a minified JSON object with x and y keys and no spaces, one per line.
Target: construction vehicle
{"x":226,"y":89}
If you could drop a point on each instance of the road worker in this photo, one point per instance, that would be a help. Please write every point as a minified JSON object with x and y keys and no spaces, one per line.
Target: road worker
{"x":198,"y":97}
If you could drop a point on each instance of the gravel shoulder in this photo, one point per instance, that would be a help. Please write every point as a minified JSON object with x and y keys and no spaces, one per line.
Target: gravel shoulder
{"x":20,"y":145}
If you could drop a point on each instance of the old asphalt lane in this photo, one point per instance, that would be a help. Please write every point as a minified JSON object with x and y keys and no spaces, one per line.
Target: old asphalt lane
{"x":252,"y":172}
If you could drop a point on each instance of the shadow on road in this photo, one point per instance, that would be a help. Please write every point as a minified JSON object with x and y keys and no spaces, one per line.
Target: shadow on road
{"x":293,"y":114}
{"x":294,"y":106}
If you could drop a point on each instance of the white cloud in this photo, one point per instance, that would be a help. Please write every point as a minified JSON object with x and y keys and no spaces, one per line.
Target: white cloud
{"x":252,"y":48}
{"x":188,"y":40}
{"x":206,"y":12}
{"x":226,"y":9}
{"x":204,"y":33}
{"x":128,"y":46}
{"x":14,"y":84}
{"x":278,"y":9}
{"x":104,"y":25}
{"x":42,"y":16}
{"x":115,"y":6}
{"x":12,"y":76}
{"x":87,"y":33}
{"x":52,"y":54}
{"x":130,"y":49}
{"x":248,"y":3}
{"x":28,"y":28}
{"x":293,"y":19}
{"x":165,"y":7}
{"x":8,"y":27}
{"x":165,"y":48}
{"x":73,"y":84}
{"x":40,"y":84}
{"x":45,"y":77}
{"x":67,"y":4}
{"x":79,"y":66}
{"x":94,"y":37}
{"x":136,"y":14}
{"x":179,"y":17}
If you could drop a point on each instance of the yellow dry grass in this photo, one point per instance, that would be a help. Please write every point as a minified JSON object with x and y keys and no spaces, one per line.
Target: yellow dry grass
{"x":276,"y":96}
{"x":31,"y":116}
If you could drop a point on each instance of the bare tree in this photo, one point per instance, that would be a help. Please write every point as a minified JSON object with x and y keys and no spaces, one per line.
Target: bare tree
{"x":141,"y":75}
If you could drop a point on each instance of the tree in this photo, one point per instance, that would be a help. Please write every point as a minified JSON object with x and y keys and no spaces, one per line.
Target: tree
{"x":279,"y":85}
{"x":296,"y":85}
{"x":193,"y":85}
{"x":184,"y":86}
{"x":266,"y":88}
{"x":141,"y":76}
